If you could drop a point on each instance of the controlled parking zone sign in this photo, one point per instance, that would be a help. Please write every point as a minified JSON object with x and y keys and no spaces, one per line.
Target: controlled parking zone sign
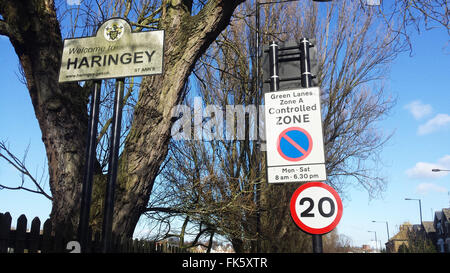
{"x":294,"y":146}
{"x":316,"y":208}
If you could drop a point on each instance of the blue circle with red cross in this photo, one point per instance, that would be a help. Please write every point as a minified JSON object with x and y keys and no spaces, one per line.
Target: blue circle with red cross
{"x":294,"y":144}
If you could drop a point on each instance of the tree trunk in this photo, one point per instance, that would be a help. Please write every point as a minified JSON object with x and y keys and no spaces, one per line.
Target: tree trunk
{"x":34,"y":32}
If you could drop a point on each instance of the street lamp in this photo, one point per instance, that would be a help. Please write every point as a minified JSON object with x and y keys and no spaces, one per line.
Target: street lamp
{"x":387,"y":227}
{"x":439,"y":170}
{"x":420,"y":207}
{"x":376,"y":244}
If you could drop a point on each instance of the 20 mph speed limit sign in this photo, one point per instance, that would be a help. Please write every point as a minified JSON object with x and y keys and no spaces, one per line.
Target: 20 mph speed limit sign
{"x":316,"y":208}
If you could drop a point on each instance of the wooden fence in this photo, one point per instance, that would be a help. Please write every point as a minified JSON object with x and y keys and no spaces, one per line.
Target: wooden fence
{"x":46,"y":240}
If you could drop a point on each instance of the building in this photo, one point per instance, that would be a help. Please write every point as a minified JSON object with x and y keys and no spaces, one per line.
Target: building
{"x":437,"y":231}
{"x":421,"y":232}
{"x":441,"y":225}
{"x":400,"y":238}
{"x":429,"y":231}
{"x":366,"y":248}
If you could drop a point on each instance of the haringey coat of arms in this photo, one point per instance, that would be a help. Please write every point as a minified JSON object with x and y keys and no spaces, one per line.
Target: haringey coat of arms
{"x":114,"y":31}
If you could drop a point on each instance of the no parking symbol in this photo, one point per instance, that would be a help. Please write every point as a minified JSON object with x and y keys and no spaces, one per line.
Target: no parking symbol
{"x":294,"y":144}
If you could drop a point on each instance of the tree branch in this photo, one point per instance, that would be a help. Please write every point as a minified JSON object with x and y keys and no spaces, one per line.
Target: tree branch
{"x":5,"y":29}
{"x":162,"y":209}
{"x":20,"y":166}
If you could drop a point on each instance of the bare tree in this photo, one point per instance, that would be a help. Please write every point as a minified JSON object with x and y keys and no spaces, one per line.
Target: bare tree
{"x":419,"y":14}
{"x":197,"y":188}
{"x":353,"y":56}
{"x":334,"y":242}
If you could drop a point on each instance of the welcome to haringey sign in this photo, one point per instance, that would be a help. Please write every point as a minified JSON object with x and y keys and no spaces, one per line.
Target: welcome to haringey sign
{"x":114,"y":52}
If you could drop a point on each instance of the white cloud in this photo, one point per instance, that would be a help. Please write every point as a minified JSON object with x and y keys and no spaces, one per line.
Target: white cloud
{"x":423,"y":169}
{"x":418,"y":109}
{"x":425,"y":188}
{"x":73,"y":2}
{"x":445,"y":161}
{"x":434,"y":124}
{"x":373,"y":2}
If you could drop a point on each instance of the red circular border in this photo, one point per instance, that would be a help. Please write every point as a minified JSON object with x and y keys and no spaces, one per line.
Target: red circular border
{"x":307,"y":152}
{"x":306,"y":228}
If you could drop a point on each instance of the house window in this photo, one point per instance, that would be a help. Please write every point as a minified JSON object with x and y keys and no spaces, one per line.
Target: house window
{"x":440,"y":244}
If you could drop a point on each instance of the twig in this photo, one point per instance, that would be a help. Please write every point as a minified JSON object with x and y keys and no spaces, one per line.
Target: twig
{"x":20,"y":166}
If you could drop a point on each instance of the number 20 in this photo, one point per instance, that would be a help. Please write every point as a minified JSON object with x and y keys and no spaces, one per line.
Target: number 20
{"x":307,"y":211}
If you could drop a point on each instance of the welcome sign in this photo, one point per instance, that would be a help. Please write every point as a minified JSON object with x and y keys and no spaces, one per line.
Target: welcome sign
{"x":114,"y":52}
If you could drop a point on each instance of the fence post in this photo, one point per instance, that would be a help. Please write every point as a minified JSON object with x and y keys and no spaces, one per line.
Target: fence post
{"x":5,"y":228}
{"x":89,"y":243}
{"x":21,"y":230}
{"x":33,"y":245}
{"x":96,"y":245}
{"x":47,"y":237}
{"x":147,"y":247}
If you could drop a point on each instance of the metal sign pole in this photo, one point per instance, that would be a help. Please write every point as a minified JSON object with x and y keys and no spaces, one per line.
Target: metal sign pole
{"x":306,"y":80}
{"x":112,"y":168}
{"x":273,"y":63}
{"x":317,"y":243}
{"x":86,"y":194}
{"x":305,"y":65}
{"x":258,"y":146}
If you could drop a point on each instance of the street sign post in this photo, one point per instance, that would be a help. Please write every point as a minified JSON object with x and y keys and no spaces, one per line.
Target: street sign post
{"x":294,"y":140}
{"x":316,"y":208}
{"x":114,"y":52}
{"x":294,"y":137}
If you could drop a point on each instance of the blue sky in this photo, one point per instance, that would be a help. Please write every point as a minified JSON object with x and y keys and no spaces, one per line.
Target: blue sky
{"x":19,"y":128}
{"x":420,"y":119}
